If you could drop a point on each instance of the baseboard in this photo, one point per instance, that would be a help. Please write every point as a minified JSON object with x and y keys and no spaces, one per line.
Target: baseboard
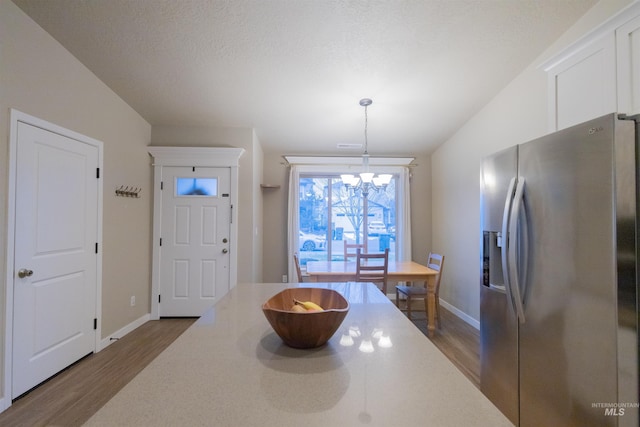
{"x":106,"y":342}
{"x":461,"y":314}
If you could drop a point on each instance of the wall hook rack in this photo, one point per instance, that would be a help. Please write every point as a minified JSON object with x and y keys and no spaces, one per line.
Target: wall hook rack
{"x":123,"y":191}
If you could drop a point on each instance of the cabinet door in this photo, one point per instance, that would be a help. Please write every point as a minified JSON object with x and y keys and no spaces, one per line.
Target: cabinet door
{"x":628,"y":49}
{"x":583,"y":86}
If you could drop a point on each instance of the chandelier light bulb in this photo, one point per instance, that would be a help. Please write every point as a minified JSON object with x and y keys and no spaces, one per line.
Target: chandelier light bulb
{"x":367,"y":177}
{"x":385,"y":178}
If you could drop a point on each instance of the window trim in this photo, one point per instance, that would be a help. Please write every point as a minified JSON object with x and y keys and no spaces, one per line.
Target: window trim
{"x":333,"y":161}
{"x":403,"y":217}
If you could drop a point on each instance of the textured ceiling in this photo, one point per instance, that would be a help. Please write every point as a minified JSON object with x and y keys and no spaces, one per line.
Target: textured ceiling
{"x":294,"y":70}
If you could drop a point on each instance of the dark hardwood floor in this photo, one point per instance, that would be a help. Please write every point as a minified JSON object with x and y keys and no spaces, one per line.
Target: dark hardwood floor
{"x":458,"y":340}
{"x":75,"y":394}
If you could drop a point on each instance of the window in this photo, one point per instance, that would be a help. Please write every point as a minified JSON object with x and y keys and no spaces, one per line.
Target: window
{"x":331,"y":215}
{"x":207,"y":187}
{"x":324,"y":214}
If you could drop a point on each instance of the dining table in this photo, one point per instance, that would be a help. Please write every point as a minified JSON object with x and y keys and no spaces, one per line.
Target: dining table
{"x":231,"y":369}
{"x":397,"y":271}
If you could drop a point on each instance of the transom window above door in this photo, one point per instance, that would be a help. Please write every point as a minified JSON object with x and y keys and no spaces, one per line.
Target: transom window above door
{"x":206,"y":187}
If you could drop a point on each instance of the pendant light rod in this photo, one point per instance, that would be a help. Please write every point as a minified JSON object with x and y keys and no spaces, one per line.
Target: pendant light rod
{"x":365,"y":102}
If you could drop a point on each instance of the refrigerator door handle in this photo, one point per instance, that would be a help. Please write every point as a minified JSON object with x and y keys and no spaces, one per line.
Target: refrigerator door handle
{"x":514,"y":272}
{"x":505,"y":241}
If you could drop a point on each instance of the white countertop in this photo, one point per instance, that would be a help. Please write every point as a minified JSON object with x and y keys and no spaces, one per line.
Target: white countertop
{"x":231,"y":369}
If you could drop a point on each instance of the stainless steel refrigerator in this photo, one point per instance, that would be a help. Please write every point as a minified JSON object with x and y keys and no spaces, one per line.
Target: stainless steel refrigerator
{"x":559,"y":276}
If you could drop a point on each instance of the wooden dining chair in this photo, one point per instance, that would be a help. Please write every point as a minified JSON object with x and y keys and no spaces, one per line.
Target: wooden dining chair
{"x":435,"y":262}
{"x":373,"y":268}
{"x":298,"y":270}
{"x":348,"y":247}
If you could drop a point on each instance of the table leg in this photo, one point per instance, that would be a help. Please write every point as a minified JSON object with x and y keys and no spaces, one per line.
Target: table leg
{"x":430,"y":305}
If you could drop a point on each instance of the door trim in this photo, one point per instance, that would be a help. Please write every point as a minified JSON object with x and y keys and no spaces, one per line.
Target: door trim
{"x":192,"y":157}
{"x":15,"y":118}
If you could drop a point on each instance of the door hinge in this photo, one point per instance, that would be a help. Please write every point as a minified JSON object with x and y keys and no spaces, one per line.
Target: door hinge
{"x":95,"y":324}
{"x":161,"y":241}
{"x":98,"y":173}
{"x":159,"y":298}
{"x":96,"y":247}
{"x":161,"y":185}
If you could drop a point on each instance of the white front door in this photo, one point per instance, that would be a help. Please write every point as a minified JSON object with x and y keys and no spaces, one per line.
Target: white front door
{"x":194,"y":252}
{"x":55,"y":260}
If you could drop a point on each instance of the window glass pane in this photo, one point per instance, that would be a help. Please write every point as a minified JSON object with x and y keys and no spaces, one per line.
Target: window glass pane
{"x":197,"y":187}
{"x":332,"y":214}
{"x":381,"y":219}
{"x":348,"y":216}
{"x":313,"y":227}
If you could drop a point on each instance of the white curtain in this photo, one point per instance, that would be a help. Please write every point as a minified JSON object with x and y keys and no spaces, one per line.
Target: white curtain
{"x":403,"y":209}
{"x":293,"y":241}
{"x":403,"y":214}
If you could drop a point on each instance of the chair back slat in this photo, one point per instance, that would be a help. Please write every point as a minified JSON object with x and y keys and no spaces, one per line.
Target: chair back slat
{"x":370,"y":269}
{"x":350,"y":249}
{"x":435,"y":261}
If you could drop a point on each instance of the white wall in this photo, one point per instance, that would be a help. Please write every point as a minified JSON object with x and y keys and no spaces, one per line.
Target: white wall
{"x":275,"y":218}
{"x":39,"y":77}
{"x":517,"y":114}
{"x":421,"y":212}
{"x":258,"y":210}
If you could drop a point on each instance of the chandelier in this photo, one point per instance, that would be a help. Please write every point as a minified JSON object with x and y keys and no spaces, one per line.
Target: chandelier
{"x":366,"y":180}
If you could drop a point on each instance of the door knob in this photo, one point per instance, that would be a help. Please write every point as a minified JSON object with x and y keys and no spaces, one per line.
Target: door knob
{"x":224,"y":240}
{"x":225,"y":250}
{"x":23,"y":272}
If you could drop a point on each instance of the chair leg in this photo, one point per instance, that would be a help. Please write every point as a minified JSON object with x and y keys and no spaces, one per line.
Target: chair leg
{"x":397,"y":299}
{"x":409,"y":307}
{"x":438,"y":323}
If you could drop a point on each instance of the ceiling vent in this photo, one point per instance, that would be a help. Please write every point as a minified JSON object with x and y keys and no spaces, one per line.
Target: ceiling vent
{"x":349,"y":146}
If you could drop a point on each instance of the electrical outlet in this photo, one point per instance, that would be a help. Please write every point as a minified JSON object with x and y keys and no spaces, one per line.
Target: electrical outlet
{"x":284,"y":278}
{"x":133,"y":300}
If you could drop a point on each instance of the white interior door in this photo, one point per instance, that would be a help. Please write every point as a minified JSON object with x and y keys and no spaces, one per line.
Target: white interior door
{"x":194,"y":258}
{"x":55,"y":261}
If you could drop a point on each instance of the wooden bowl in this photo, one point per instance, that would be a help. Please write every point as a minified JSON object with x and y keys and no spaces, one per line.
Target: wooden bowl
{"x":308,"y":329}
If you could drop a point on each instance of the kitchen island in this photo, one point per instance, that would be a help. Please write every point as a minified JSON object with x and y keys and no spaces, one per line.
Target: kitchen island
{"x":231,"y":369}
